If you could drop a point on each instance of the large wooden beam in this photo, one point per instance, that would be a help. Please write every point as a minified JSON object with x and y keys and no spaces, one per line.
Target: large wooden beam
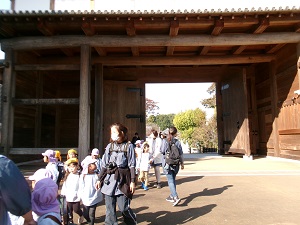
{"x":44,"y":101}
{"x":184,"y":60}
{"x":149,"y":40}
{"x":84,"y":99}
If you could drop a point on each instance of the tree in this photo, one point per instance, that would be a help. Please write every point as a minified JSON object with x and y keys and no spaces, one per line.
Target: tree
{"x":151,"y":107}
{"x":161,"y":121}
{"x":210,"y":102}
{"x":186,"y":123}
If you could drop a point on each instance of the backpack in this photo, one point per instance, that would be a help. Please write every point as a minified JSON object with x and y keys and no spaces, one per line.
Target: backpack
{"x":173,"y":155}
{"x":61,"y":171}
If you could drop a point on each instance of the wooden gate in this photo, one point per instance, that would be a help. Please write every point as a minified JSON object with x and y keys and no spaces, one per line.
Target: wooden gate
{"x":124,"y":102}
{"x":235,"y":114}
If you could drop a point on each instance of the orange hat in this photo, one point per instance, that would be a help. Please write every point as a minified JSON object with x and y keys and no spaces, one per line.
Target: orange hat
{"x":57,"y":155}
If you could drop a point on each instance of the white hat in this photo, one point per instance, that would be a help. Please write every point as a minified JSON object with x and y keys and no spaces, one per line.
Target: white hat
{"x":95,"y":151}
{"x":86,"y":162}
{"x":40,"y":174}
{"x":138,"y":142}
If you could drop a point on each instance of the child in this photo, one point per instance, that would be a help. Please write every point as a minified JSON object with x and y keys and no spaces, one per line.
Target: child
{"x":44,"y":202}
{"x":95,"y":155}
{"x":70,"y":189}
{"x":138,"y":152}
{"x":144,"y":165}
{"x":72,"y":153}
{"x":49,"y":158}
{"x":90,"y":196}
{"x":60,"y":167}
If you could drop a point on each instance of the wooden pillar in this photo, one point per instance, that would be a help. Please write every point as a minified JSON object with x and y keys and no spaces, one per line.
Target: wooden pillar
{"x":220,"y":125}
{"x":246,"y":117}
{"x":98,"y":113}
{"x":8,"y":109}
{"x":298,"y":64}
{"x":274,"y":102}
{"x":38,"y":112}
{"x":84,"y":102}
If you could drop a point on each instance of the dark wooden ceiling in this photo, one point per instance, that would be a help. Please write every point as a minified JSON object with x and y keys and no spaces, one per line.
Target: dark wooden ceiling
{"x":152,"y":38}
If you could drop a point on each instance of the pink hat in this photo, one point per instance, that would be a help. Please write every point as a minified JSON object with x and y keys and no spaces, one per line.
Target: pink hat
{"x":40,"y":174}
{"x":44,"y":197}
{"x":95,"y":151}
{"x":50,"y":154}
{"x":85,"y":164}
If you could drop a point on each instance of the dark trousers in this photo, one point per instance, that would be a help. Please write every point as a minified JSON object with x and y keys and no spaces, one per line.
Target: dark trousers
{"x":74,"y":207}
{"x":123,"y":205}
{"x":89,"y":213}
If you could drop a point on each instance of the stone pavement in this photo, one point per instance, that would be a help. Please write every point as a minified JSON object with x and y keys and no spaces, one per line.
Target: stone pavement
{"x":222,"y":190}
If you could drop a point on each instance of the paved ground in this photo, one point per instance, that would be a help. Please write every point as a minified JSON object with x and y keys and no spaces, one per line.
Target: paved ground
{"x":216,"y":190}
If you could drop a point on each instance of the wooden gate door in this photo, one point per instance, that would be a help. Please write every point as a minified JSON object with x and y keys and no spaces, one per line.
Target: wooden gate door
{"x":123,"y":102}
{"x":235,"y":114}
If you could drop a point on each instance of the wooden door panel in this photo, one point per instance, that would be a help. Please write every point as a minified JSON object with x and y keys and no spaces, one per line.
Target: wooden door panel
{"x":124,"y":103}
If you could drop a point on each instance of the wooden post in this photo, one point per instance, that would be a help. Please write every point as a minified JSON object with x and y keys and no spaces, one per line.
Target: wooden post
{"x":246,"y":120}
{"x":84,"y":103}
{"x":220,"y":125}
{"x":274,"y":102}
{"x":298,"y":64}
{"x":38,"y":112}
{"x":8,"y":109}
{"x":98,"y":113}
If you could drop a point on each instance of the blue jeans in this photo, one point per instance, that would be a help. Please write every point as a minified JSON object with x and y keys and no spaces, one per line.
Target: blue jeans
{"x":171,"y":176}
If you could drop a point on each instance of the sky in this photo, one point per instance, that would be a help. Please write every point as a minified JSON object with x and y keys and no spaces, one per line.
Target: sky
{"x":184,"y":96}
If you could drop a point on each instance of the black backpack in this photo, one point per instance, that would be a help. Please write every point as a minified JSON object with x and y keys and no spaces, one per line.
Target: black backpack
{"x":173,"y":155}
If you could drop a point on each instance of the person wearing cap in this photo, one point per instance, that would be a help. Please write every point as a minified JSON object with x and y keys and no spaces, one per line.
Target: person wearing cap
{"x":117,"y":176}
{"x":135,"y":138}
{"x":45,"y":203}
{"x":95,"y":155}
{"x":49,"y":158}
{"x":70,"y":189}
{"x":72,"y":153}
{"x":39,"y":175}
{"x":90,"y":196}
{"x":15,"y":194}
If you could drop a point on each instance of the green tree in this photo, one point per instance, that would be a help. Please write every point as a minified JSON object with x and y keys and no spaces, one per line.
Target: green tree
{"x":210,"y":102}
{"x":164,"y":121}
{"x":186,"y":123}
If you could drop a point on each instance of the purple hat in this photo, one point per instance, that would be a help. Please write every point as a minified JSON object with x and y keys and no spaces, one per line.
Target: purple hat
{"x":40,"y":174}
{"x":50,"y":154}
{"x":85,"y":164}
{"x":44,"y":197}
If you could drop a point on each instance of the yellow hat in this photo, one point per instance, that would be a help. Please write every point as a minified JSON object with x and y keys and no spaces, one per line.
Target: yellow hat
{"x":72,"y":160}
{"x":57,"y":154}
{"x":72,"y":151}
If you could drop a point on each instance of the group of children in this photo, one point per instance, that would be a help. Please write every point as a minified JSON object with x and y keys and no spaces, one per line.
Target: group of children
{"x":78,"y":186}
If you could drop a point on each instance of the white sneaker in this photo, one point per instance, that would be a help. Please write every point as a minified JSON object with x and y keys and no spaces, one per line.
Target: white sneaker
{"x":80,"y":220}
{"x":176,"y":201}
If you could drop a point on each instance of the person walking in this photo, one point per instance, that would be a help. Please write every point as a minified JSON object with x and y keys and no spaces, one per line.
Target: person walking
{"x":70,"y":189}
{"x":144,"y":165}
{"x":157,"y":159}
{"x":171,"y":169}
{"x":117,"y":176}
{"x":49,"y":158}
{"x":90,"y":195}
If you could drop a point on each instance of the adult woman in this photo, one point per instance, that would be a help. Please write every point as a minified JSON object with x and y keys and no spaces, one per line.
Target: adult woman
{"x":155,"y":143}
{"x":172,"y":169}
{"x":117,"y":176}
